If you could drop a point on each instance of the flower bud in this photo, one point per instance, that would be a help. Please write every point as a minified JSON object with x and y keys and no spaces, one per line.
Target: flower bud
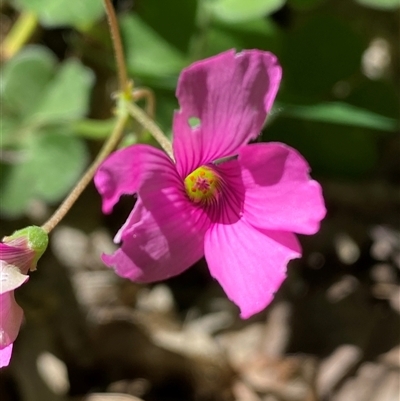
{"x":19,"y":253}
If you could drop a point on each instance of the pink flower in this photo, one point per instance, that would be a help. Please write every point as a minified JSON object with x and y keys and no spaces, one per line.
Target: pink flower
{"x":19,"y":253}
{"x":237,"y":204}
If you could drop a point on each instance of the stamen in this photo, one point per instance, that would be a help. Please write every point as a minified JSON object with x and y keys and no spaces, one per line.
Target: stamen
{"x":202,"y":185}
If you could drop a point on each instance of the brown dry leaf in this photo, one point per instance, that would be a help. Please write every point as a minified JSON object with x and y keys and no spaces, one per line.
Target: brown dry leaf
{"x":242,"y":392}
{"x":335,"y":367}
{"x":290,"y":378}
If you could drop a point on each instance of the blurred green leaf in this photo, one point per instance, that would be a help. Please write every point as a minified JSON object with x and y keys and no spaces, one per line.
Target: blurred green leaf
{"x":15,"y":187}
{"x":147,"y":53}
{"x":380,"y":4}
{"x":242,"y":10}
{"x":259,"y":26}
{"x":183,"y":15}
{"x":32,"y":90}
{"x":40,"y":158}
{"x":341,"y":113}
{"x":218,"y":40}
{"x":318,"y":54}
{"x":305,"y":4}
{"x":378,"y":96}
{"x":93,"y":129}
{"x":46,"y":168}
{"x":56,"y":13}
{"x":24,"y":78}
{"x":345,"y":152}
{"x":7,"y":129}
{"x":261,"y":33}
{"x":67,"y":96}
{"x":59,"y":160}
{"x":167,"y":103}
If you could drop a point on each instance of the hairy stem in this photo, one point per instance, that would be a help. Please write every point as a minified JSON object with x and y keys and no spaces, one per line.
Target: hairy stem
{"x":142,"y":118}
{"x":125,"y":108}
{"x":124,"y":83}
{"x":148,"y":95}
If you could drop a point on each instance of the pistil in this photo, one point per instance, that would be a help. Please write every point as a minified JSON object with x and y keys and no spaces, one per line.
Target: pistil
{"x":202,"y":185}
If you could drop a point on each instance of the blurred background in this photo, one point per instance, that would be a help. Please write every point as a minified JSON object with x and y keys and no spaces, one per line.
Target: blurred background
{"x":333,"y":330}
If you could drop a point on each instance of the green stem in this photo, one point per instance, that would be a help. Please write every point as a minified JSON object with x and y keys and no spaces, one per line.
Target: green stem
{"x":107,"y":148}
{"x":19,"y":34}
{"x":147,"y":123}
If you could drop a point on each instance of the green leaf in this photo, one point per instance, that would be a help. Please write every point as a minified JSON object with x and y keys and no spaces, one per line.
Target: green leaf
{"x":16,"y":190}
{"x":305,"y":4}
{"x":24,"y":78}
{"x":259,"y":33}
{"x":159,"y":15}
{"x":8,"y":128}
{"x":56,"y":13}
{"x":345,"y":152}
{"x":380,"y":4}
{"x":381,"y":97}
{"x":33,"y":92}
{"x":242,"y":10}
{"x":67,"y":96}
{"x":93,"y":129}
{"x":46,"y":168}
{"x":167,"y":103}
{"x":147,"y":53}
{"x":59,"y":161}
{"x":341,"y":113}
{"x":320,"y":53}
{"x":218,"y":39}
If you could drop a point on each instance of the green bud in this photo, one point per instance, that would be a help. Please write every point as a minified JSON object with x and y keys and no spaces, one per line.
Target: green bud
{"x":36,"y":240}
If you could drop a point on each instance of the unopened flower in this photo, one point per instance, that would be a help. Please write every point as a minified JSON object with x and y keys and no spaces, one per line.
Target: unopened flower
{"x":19,"y":253}
{"x":237,"y":204}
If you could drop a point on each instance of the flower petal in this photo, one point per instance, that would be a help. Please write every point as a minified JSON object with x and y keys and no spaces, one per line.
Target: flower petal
{"x":125,"y":171}
{"x":20,"y":256}
{"x":249,"y":264}
{"x":230,"y":95}
{"x":10,"y":319}
{"x":164,"y":234}
{"x":10,"y":277}
{"x":159,"y":243}
{"x":279,"y":193}
{"x":5,"y":355}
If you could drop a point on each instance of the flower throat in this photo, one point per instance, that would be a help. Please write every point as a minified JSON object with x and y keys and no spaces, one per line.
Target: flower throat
{"x":202,"y":185}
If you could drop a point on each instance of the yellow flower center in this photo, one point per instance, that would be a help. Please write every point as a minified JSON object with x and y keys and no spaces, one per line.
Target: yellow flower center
{"x":202,"y":185}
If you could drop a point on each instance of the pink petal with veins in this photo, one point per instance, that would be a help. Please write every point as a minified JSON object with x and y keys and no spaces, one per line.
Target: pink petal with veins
{"x":230,"y":94}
